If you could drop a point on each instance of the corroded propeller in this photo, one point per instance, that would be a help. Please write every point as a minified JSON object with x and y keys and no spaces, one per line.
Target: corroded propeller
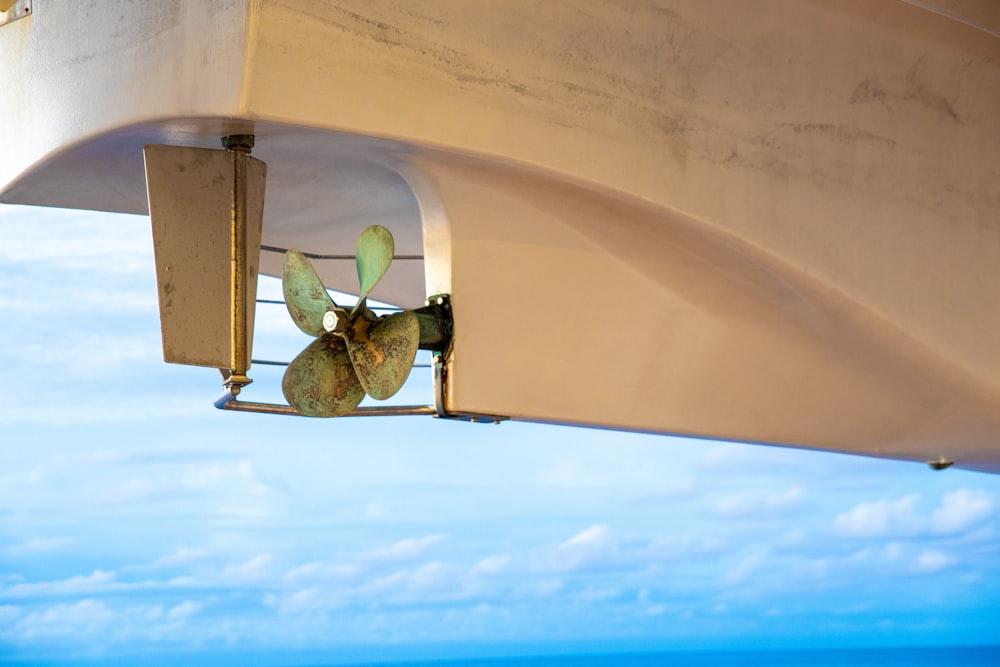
{"x":355,"y":351}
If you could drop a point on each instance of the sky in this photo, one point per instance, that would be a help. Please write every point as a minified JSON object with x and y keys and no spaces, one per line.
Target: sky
{"x":137,"y":521}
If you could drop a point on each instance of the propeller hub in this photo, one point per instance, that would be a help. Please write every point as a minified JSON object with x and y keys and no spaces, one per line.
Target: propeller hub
{"x":335,"y":321}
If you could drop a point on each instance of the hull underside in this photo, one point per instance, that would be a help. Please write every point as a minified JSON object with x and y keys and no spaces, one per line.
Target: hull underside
{"x":773,"y":224}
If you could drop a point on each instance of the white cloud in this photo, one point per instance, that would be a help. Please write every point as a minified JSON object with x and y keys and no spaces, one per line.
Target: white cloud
{"x":309,"y":584}
{"x":38,"y":545}
{"x":598,"y":594}
{"x":889,"y":553}
{"x":588,"y":467}
{"x":597,"y":549}
{"x":434,"y":580}
{"x":301,"y":601}
{"x":98,"y":580}
{"x":374,"y":511}
{"x":8,"y":614}
{"x":571,"y":473}
{"x":597,"y":536}
{"x":663,"y":547}
{"x":32,"y":476}
{"x":492,"y":566}
{"x":590,"y":548}
{"x":184,"y":610}
{"x":746,"y":568}
{"x":933,"y":561}
{"x":746,"y":504}
{"x":407,"y":550}
{"x":319,"y":572}
{"x":182,"y":582}
{"x":960,"y":510}
{"x":29,"y":407}
{"x":741,"y":458}
{"x":80,"y":619}
{"x":258,"y":567}
{"x":108,"y":299}
{"x":548,"y":588}
{"x":98,"y":362}
{"x":220,"y":475}
{"x":646,"y":606}
{"x":389,"y":582}
{"x":883,"y":518}
{"x":75,"y":241}
{"x":181,"y":557}
{"x":127,"y":491}
{"x":151,"y":613}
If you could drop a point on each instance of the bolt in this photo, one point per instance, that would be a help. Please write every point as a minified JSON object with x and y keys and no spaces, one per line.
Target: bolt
{"x":335,"y":321}
{"x":238,"y":142}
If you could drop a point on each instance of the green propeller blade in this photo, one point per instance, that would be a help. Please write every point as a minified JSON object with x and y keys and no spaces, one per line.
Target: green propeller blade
{"x":305,"y":295}
{"x":374,"y":254}
{"x":383,"y":351}
{"x":321,"y":381}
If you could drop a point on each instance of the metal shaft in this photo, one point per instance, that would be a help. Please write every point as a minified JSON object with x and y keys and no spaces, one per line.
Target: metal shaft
{"x":239,"y":146}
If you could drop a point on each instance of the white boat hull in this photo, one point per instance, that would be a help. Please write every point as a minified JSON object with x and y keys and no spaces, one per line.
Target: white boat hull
{"x":773,"y":222}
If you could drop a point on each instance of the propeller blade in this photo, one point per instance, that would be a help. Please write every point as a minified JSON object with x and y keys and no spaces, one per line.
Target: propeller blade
{"x":383,"y":351}
{"x":321,"y":381}
{"x":374,"y":254}
{"x":305,"y":295}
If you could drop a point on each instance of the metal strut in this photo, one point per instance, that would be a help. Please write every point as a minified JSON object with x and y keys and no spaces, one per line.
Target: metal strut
{"x":239,"y":145}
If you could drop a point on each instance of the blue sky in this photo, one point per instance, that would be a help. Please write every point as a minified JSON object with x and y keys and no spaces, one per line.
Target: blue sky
{"x":137,"y":519}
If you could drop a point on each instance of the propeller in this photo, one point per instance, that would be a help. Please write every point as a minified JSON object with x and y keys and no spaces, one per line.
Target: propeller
{"x":355,"y":352}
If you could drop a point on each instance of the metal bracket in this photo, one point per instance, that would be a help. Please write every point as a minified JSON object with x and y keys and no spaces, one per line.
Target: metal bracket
{"x":13,"y":10}
{"x":440,"y":392}
{"x":228,"y":401}
{"x":436,"y":335}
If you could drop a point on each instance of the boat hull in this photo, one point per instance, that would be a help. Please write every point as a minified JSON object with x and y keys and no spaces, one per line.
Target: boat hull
{"x":773,"y":223}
